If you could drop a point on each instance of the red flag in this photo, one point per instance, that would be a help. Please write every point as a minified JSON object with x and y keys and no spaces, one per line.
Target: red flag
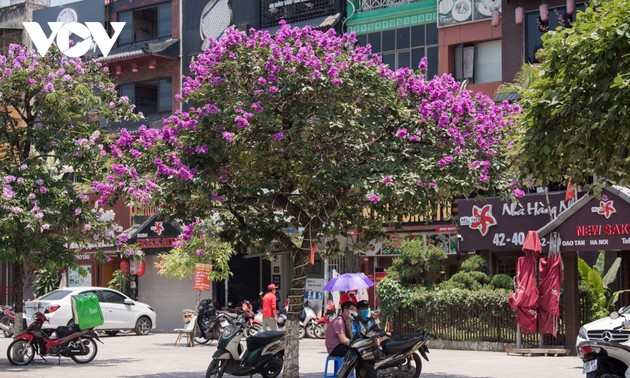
{"x":570,"y":193}
{"x":312,"y":261}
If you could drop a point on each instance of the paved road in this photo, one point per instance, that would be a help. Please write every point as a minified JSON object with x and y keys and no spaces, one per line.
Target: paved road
{"x":155,"y":356}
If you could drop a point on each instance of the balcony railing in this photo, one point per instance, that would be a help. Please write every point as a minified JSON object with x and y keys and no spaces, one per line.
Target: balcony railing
{"x":367,"y":5}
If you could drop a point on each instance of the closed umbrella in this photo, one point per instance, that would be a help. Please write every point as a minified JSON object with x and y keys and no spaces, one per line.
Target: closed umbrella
{"x":525,"y":298}
{"x":348,"y":281}
{"x":550,"y":275}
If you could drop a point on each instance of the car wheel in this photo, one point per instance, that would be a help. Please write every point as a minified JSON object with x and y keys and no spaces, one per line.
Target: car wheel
{"x":143,"y":326}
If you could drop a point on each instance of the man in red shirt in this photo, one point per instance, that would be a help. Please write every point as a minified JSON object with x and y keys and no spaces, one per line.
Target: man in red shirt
{"x":269,"y":309}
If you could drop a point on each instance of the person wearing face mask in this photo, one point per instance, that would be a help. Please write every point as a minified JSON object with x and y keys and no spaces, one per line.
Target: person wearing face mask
{"x":339,"y":331}
{"x":362,"y":320}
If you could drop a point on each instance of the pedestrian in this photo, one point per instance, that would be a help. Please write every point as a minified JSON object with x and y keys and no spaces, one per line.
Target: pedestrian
{"x":270,"y":309}
{"x":338,"y":332}
{"x":349,"y":296}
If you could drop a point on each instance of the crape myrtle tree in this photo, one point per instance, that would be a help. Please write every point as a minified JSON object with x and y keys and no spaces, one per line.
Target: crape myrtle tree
{"x":575,"y":110}
{"x":49,"y":140}
{"x":304,"y":129}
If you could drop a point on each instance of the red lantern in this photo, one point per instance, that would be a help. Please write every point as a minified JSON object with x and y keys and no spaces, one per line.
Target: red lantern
{"x":140,"y":267}
{"x":496,"y":18}
{"x":544,"y":12}
{"x":519,"y":15}
{"x":124,"y":266}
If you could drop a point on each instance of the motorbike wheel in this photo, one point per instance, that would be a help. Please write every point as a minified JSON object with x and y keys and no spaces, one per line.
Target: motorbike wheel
{"x":20,"y":352}
{"x":273,"y":368}
{"x":89,"y":345}
{"x":412,"y":367}
{"x":302,"y":332}
{"x":310,"y":329}
{"x":7,"y":321}
{"x":216,"y":369}
{"x":320,"y":330}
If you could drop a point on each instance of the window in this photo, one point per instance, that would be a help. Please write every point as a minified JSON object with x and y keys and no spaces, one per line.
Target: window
{"x":112,"y":297}
{"x":479,"y":62}
{"x":507,"y":266}
{"x":534,"y":28}
{"x":8,"y":37}
{"x":405,"y":47}
{"x":150,"y":97}
{"x":145,"y":24}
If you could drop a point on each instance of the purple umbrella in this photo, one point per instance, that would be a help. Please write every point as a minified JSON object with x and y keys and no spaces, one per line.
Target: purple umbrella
{"x":348,"y":281}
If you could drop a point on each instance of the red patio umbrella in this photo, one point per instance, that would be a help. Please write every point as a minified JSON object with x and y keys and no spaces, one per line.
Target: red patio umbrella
{"x":550,"y":275}
{"x":525,"y":298}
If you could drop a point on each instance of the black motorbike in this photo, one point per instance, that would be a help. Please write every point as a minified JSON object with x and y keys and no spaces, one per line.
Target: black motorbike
{"x":397,"y":356}
{"x":210,"y":322}
{"x":264,"y":353}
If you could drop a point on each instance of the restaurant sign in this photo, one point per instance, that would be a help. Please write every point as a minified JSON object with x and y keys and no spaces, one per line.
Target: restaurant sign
{"x":493,"y":224}
{"x":596,"y":224}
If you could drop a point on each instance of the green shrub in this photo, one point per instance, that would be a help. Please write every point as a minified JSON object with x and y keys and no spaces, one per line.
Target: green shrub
{"x":480,"y":277}
{"x":462,"y":280}
{"x":502,"y":281}
{"x":474,"y":264}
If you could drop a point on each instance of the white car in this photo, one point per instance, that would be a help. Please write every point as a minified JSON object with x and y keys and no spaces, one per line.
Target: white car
{"x":119,"y":311}
{"x":604,"y":329}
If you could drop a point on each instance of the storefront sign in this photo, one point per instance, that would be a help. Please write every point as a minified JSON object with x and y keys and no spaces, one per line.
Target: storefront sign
{"x":502,"y":225}
{"x":201,"y":278}
{"x":601,"y":224}
{"x":155,"y":243}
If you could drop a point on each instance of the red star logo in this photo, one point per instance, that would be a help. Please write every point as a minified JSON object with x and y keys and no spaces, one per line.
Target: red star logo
{"x":606,"y":209}
{"x":483,"y":219}
{"x":158,"y":228}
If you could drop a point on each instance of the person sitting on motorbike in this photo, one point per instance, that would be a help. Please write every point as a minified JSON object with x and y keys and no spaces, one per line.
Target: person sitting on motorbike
{"x":339,"y":333}
{"x":363,"y":319}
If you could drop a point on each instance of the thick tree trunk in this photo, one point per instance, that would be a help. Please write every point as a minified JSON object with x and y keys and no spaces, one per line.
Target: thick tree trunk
{"x":296,"y":303}
{"x":18,"y":296}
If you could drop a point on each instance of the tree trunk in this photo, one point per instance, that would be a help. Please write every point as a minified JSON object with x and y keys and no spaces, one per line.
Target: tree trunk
{"x":18,"y":297}
{"x":296,"y":303}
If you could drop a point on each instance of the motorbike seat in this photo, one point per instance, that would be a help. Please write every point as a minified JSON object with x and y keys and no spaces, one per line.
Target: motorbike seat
{"x":63,"y":331}
{"x":263,"y":338}
{"x":401,"y":342}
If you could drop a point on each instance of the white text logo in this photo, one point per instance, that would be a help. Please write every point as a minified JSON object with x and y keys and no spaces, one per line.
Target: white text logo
{"x":93,"y":34}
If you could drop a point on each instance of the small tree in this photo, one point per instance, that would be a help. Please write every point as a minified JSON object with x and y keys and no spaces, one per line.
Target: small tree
{"x":416,"y":261}
{"x":50,"y":139}
{"x":597,"y":280}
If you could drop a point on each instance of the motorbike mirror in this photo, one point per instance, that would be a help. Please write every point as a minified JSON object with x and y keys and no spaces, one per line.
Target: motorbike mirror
{"x":614,"y":315}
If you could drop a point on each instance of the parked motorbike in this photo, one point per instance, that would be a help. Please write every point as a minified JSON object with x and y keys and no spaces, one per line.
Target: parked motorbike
{"x":210,"y":322}
{"x":70,"y":342}
{"x":322,"y":322}
{"x":605,"y":358}
{"x":7,"y":318}
{"x":309,"y":320}
{"x":397,"y":356}
{"x":263,"y":354}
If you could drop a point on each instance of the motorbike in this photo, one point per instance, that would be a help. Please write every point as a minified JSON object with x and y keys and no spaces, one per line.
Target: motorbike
{"x":309,"y":320}
{"x":70,"y":342}
{"x":397,"y":356}
{"x":210,"y":322}
{"x":7,"y":318}
{"x":263,"y":353}
{"x":324,"y":320}
{"x":606,"y":358}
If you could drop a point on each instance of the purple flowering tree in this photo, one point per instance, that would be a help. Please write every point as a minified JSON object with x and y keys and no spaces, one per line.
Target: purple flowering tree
{"x":50,"y":140}
{"x":303,"y":129}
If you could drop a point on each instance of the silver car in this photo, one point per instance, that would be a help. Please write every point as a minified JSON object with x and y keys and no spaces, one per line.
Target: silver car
{"x":119,"y":311}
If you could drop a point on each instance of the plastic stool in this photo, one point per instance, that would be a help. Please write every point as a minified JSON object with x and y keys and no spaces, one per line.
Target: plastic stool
{"x":337,"y":362}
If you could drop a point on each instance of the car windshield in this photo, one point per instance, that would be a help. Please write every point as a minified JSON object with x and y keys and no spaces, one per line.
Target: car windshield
{"x":55,"y":295}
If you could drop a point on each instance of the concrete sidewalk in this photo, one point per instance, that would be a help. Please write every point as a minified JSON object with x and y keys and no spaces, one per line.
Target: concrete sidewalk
{"x":156,"y":356}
